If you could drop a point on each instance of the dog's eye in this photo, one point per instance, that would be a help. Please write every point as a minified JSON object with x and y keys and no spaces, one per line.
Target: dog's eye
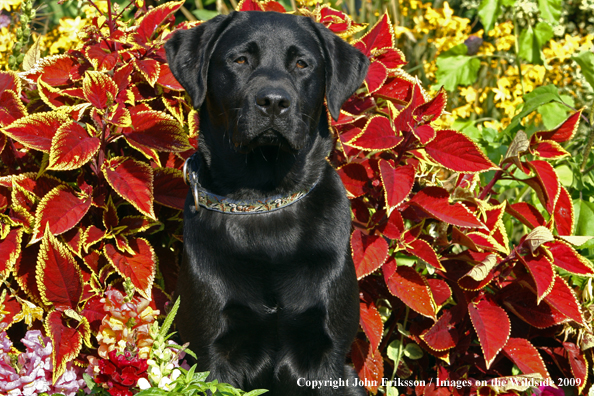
{"x":301,"y":64}
{"x":241,"y":60}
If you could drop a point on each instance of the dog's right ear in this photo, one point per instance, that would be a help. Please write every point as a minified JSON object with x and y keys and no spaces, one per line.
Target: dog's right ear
{"x":188,"y":54}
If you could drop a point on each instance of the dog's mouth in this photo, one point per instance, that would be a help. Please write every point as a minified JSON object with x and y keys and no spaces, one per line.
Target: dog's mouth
{"x":269,"y":138}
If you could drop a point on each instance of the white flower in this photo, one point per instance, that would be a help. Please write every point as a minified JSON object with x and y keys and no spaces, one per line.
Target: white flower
{"x":165,"y":383}
{"x":143,"y":383}
{"x":175,"y":375}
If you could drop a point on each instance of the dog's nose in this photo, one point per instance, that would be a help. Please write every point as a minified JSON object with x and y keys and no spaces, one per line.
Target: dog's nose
{"x":273,"y":101}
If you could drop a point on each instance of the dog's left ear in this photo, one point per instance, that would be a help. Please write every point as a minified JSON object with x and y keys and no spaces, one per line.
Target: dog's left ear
{"x":188,"y":54}
{"x":346,"y":68}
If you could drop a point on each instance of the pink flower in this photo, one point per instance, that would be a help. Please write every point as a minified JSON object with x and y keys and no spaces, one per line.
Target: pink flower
{"x":550,"y":391}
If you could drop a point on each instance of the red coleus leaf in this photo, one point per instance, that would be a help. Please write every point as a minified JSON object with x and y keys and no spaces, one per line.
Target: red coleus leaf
{"x":526,"y":213}
{"x":156,"y":130}
{"x":410,"y":287}
{"x":60,"y":210}
{"x":549,"y":149}
{"x":378,"y":134}
{"x":431,"y":110}
{"x":548,"y":180}
{"x":423,"y":250}
{"x":10,"y":80}
{"x":371,"y":323}
{"x":91,"y":236}
{"x":72,"y":147}
{"x":564,"y":256}
{"x":368,"y":364}
{"x":563,"y":132}
{"x":152,"y":19}
{"x":133,"y":181}
{"x":58,"y":276}
{"x":390,"y":57}
{"x":380,"y":36}
{"x":394,"y":227}
{"x":354,"y":177}
{"x":398,"y":183}
{"x":435,"y":201}
{"x":249,"y":5}
{"x":405,"y":121}
{"x":525,"y":356}
{"x":66,"y":341}
{"x":542,"y":273}
{"x":457,"y":152}
{"x":149,"y":68}
{"x":36,"y":130}
{"x":11,"y":309}
{"x":492,"y":327}
{"x":167,"y":80}
{"x":442,"y":335}
{"x":11,"y":109}
{"x":440,"y":290}
{"x":74,"y":240}
{"x":94,"y":312}
{"x":10,"y":250}
{"x":578,"y":365}
{"x":522,"y":302}
{"x":99,"y":89}
{"x":55,"y":70}
{"x":139,"y":267}
{"x":397,"y":88}
{"x":169,"y":188}
{"x":376,"y":76}
{"x":563,"y":299}
{"x":563,"y":213}
{"x":425,"y":133}
{"x":101,"y":59}
{"x":369,"y":252}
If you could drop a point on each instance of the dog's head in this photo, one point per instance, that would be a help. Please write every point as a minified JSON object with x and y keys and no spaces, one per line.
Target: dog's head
{"x":261,"y":77}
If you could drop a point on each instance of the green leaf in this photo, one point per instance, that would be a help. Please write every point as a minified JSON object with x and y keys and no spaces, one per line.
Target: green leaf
{"x":565,"y":175}
{"x":532,"y":101}
{"x":89,"y":381}
{"x":255,"y":392}
{"x":200,"y":377}
{"x":584,"y":220}
{"x":489,"y":11}
{"x":204,"y":15}
{"x":543,"y":33}
{"x":393,"y":350}
{"x":586,"y":61}
{"x":550,"y":10}
{"x":152,"y":392}
{"x":553,"y":114}
{"x":169,"y":319}
{"x":455,"y":68}
{"x":413,"y":351}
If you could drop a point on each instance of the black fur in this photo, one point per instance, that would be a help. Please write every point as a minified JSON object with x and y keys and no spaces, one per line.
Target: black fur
{"x":267,"y":299}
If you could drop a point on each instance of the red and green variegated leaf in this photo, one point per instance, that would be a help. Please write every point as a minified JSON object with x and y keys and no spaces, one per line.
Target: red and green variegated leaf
{"x":11,"y":109}
{"x":369,"y":252}
{"x":549,"y":149}
{"x":440,"y":290}
{"x":99,"y":89}
{"x":24,"y":272}
{"x":61,"y":209}
{"x":442,"y":335}
{"x":153,"y":19}
{"x":423,"y":250}
{"x":119,"y":115}
{"x":548,"y":180}
{"x":526,"y":214}
{"x":379,"y":36}
{"x":435,"y":201}
{"x":563,"y":299}
{"x":91,"y":236}
{"x":355,"y":179}
{"x":10,"y":80}
{"x":10,"y":250}
{"x":149,"y":68}
{"x":525,"y":356}
{"x":58,"y":276}
{"x":72,"y":147}
{"x":368,"y":364}
{"x":371,"y":323}
{"x":167,"y":80}
{"x":133,"y":181}
{"x":376,"y":76}
{"x":99,"y":58}
{"x":66,"y":341}
{"x":578,"y":364}
{"x":457,"y":152}
{"x":563,"y":132}
{"x":378,"y":134}
{"x":492,"y":327}
{"x":140,"y":267}
{"x":36,"y":131}
{"x":55,"y":70}
{"x":542,"y":273}
{"x":169,"y":187}
{"x":432,"y":110}
{"x":563,"y":213}
{"x":564,"y":256}
{"x":157,"y":130}
{"x":398,"y":183}
{"x":410,"y":287}
{"x":522,"y":302}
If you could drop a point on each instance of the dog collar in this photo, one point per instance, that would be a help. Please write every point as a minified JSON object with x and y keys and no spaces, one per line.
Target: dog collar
{"x":221,"y":204}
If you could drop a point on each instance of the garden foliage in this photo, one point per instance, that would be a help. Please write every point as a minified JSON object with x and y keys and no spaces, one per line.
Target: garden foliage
{"x":456,"y":281}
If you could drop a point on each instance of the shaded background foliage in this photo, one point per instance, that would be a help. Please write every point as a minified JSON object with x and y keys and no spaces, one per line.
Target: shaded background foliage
{"x":449,"y":244}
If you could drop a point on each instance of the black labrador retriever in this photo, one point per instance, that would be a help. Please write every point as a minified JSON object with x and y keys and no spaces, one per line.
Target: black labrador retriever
{"x":269,"y":296}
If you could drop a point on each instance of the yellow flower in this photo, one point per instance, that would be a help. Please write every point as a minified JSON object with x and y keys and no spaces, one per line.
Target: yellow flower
{"x":10,"y":5}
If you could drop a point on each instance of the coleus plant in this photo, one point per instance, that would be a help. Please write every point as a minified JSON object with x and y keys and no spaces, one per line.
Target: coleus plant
{"x":91,"y":191}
